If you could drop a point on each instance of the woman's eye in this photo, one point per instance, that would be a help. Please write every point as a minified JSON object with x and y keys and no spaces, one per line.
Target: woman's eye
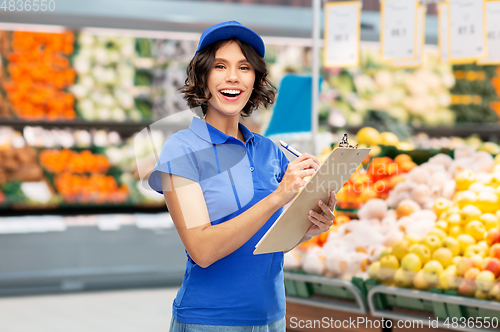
{"x":219,"y":66}
{"x":245,"y":68}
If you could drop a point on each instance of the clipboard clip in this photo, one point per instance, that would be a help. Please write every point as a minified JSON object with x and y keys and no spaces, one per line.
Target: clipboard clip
{"x":344,"y":143}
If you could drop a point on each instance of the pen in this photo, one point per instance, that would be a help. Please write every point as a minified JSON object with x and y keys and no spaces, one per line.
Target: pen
{"x":289,"y":148}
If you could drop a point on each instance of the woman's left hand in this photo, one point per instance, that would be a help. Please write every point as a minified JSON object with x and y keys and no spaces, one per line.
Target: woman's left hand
{"x":322,"y":221}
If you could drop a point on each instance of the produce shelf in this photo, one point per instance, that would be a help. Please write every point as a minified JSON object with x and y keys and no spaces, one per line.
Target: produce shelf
{"x":429,"y":306}
{"x":336,"y":294}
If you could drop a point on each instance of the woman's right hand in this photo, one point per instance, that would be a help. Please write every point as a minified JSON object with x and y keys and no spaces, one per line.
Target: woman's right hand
{"x":293,"y":180}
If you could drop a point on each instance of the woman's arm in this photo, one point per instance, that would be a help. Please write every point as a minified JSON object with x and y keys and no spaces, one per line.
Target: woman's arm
{"x":208,"y":243}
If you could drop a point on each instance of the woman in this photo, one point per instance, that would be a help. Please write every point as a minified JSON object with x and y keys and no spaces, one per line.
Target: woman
{"x":225,"y":186}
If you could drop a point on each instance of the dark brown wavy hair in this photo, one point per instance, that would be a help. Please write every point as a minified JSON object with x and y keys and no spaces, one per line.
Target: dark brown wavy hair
{"x":196,"y":90}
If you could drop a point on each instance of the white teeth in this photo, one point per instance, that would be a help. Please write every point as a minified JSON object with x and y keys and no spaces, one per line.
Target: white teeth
{"x":233,"y":92}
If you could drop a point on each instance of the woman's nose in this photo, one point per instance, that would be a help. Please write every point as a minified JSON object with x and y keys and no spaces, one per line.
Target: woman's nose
{"x":232,"y":75}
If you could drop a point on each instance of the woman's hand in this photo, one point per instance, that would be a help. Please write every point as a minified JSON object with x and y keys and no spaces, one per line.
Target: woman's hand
{"x":324,"y":220}
{"x":293,"y":180}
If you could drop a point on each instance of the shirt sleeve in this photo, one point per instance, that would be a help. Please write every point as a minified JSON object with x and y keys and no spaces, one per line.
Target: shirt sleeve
{"x":283,"y":163}
{"x":176,"y":157}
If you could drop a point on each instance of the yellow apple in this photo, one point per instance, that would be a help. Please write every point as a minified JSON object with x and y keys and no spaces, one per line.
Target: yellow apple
{"x":422,"y":251}
{"x":464,"y":198}
{"x":452,"y":244}
{"x":454,"y":220}
{"x":481,"y":295}
{"x":442,"y":225}
{"x":400,"y":249}
{"x":455,"y":231}
{"x":374,"y":271}
{"x":474,"y":249}
{"x":419,"y":281}
{"x":487,"y":202}
{"x":388,"y":266}
{"x":464,"y":265}
{"x":456,"y":259}
{"x":464,"y":179}
{"x":432,"y":242}
{"x":476,"y":229}
{"x":485,"y":280}
{"x":411,"y":262}
{"x":432,"y":270}
{"x":494,"y":293}
{"x":484,"y":245}
{"x":469,"y":213}
{"x":443,"y":256}
{"x":465,"y":241}
{"x":403,"y":278}
{"x":438,"y":232}
{"x":386,"y":252}
{"x":441,"y":205}
{"x":412,"y":238}
{"x":490,"y":221}
{"x":478,"y":261}
{"x":477,"y":187}
{"x":448,"y":279}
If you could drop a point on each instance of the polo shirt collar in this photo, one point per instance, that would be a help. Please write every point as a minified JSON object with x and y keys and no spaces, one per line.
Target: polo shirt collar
{"x":214,"y":135}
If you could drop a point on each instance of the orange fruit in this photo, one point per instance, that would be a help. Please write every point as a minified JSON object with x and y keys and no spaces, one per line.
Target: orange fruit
{"x":404,"y":210}
{"x":367,"y":194}
{"x":382,"y":186}
{"x":394,"y":180}
{"x":407,"y":166}
{"x":402,"y":158}
{"x":368,"y":136}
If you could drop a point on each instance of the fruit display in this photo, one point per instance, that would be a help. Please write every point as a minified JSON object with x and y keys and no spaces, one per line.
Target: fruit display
{"x":65,"y":160}
{"x":462,"y":251}
{"x":419,"y":96}
{"x":39,"y":71}
{"x":104,"y":89}
{"x":68,"y":138}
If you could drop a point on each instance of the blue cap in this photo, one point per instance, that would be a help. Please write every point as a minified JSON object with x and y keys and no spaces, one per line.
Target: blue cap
{"x":230,"y":29}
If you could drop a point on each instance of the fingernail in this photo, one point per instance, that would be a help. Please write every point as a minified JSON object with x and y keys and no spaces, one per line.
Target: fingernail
{"x":320,"y":202}
{"x":311,"y":213}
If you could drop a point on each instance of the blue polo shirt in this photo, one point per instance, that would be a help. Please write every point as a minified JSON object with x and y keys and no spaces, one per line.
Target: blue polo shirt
{"x":241,"y":288}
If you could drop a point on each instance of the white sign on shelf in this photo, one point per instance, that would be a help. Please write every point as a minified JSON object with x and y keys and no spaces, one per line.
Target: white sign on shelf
{"x":342,"y":34}
{"x":443,"y":25}
{"x":398,"y":32}
{"x":467,"y":32}
{"x":420,"y":45}
{"x":493,"y":33}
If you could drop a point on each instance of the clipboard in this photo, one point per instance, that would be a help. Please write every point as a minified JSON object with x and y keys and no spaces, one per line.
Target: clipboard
{"x":293,"y":223}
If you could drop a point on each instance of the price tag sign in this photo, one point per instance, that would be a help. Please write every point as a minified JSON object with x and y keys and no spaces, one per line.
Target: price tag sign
{"x":493,"y":33}
{"x":420,"y":45}
{"x":342,"y":34}
{"x":467,"y":31}
{"x":398,"y":31}
{"x":443,"y":25}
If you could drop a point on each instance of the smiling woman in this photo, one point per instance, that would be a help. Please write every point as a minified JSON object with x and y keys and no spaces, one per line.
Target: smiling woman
{"x":225,"y":186}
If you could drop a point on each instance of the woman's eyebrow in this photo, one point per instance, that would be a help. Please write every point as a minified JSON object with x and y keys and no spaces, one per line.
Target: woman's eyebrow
{"x":224,"y":60}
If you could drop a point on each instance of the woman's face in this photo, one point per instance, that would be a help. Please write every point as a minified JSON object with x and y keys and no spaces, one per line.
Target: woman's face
{"x":230,"y":80}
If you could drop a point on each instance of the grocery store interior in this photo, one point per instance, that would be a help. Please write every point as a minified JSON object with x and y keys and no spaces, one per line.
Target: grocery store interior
{"x":88,"y":96}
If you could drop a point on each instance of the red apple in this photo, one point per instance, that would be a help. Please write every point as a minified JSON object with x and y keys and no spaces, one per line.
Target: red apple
{"x":493,"y":265}
{"x":495,"y":250}
{"x":472,"y":273}
{"x":492,"y":236}
{"x":467,"y":288}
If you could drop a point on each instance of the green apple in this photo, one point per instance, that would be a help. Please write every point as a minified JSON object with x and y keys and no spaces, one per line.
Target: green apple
{"x":411,"y":262}
{"x":419,"y":281}
{"x":432,"y":270}
{"x":423,"y":252}
{"x":485,"y":280}
{"x":473,"y":250}
{"x":438,"y":232}
{"x":400,"y":249}
{"x":443,"y":256}
{"x":432,"y":242}
{"x":388,"y":266}
{"x":452,"y":244}
{"x":465,"y":241}
{"x":403,"y":278}
{"x":476,"y":229}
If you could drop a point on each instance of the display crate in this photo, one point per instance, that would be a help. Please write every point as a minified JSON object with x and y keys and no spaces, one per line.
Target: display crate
{"x":319,"y":291}
{"x":387,"y":302}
